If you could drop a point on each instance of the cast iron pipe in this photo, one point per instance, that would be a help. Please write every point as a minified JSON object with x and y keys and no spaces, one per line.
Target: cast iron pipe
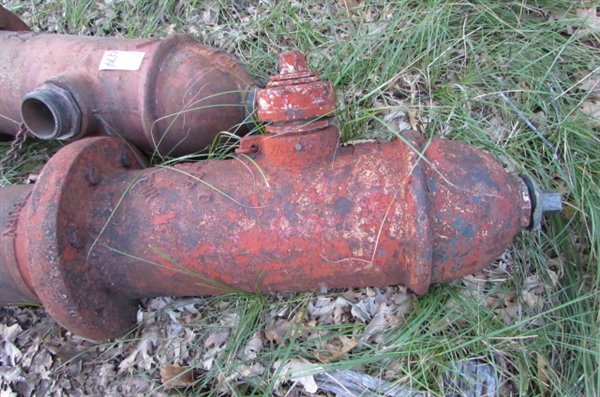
{"x":11,"y":22}
{"x":293,"y":211}
{"x":173,"y":95}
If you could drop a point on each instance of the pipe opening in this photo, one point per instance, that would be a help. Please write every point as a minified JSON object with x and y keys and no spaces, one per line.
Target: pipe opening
{"x":50,"y":112}
{"x":39,"y":118}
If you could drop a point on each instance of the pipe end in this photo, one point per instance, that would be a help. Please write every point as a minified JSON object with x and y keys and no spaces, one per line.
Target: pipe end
{"x":50,"y":112}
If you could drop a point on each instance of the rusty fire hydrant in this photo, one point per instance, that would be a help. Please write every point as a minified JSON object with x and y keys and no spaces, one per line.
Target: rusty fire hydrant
{"x":170,"y":95}
{"x":293,"y":211}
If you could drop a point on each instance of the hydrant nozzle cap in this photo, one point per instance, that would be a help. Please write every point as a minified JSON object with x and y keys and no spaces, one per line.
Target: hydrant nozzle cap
{"x":296,"y":100}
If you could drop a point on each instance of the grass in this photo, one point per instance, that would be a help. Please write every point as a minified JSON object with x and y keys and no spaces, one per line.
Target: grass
{"x":472,"y":71}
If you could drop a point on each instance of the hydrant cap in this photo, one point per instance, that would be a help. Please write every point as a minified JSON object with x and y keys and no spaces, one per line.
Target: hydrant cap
{"x":295,"y":96}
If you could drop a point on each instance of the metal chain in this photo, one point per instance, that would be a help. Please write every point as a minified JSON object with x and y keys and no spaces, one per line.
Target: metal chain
{"x":12,"y":155}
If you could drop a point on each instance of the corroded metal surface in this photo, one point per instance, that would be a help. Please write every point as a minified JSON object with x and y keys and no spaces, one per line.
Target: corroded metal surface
{"x":15,"y":281}
{"x":293,"y":211}
{"x":474,"y":206}
{"x":295,"y":100}
{"x":99,"y":232}
{"x":10,"y":22}
{"x":178,"y":97}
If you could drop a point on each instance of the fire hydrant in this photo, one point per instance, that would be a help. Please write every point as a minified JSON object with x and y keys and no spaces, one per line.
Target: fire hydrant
{"x":172,"y":95}
{"x":293,"y":211}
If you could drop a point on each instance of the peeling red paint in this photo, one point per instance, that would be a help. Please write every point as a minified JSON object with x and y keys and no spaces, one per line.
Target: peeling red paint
{"x":163,"y":219}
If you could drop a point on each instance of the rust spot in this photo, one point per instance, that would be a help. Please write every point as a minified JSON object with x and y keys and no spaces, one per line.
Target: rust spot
{"x":163,"y":218}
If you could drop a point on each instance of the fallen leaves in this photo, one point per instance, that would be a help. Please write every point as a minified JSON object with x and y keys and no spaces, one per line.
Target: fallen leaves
{"x":254,"y":347}
{"x":586,"y":21}
{"x":279,"y":329}
{"x":9,"y":351}
{"x":175,"y":376}
{"x":335,"y":349}
{"x":591,"y":20}
{"x":298,"y":370}
{"x":543,"y":370}
{"x":140,"y":357}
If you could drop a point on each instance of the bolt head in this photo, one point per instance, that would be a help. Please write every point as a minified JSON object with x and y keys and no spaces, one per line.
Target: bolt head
{"x":550,"y":202}
{"x":92,"y":176}
{"x":125,"y":159}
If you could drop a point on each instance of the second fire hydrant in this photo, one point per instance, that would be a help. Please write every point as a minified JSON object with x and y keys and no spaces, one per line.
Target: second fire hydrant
{"x":172,"y":96}
{"x":293,"y":211}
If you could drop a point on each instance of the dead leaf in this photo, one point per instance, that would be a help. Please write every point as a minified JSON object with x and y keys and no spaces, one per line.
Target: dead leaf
{"x":340,"y":311}
{"x":413,"y":115}
{"x":591,"y":19}
{"x":368,"y":306}
{"x":230,"y":320}
{"x":298,"y":370}
{"x":142,"y":356}
{"x":217,"y":338}
{"x":320,"y":307}
{"x":382,"y":321}
{"x":277,"y":330}
{"x":334,"y":351}
{"x":243,"y":372}
{"x":590,"y":83}
{"x":347,"y":7}
{"x":209,"y":358}
{"x":398,"y":121}
{"x":254,"y":346}
{"x":511,"y":309}
{"x":174,"y":376}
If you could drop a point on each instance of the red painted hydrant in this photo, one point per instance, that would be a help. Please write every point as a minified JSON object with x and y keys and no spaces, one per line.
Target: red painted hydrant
{"x":293,"y":211}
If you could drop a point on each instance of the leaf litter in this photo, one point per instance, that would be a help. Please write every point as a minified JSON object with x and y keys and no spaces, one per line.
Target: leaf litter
{"x":168,"y":352}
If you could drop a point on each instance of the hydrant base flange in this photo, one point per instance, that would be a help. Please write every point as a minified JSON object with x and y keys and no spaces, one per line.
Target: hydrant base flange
{"x":58,"y":239}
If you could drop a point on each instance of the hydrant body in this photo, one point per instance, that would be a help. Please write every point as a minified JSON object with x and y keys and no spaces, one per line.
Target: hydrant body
{"x":96,"y":234}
